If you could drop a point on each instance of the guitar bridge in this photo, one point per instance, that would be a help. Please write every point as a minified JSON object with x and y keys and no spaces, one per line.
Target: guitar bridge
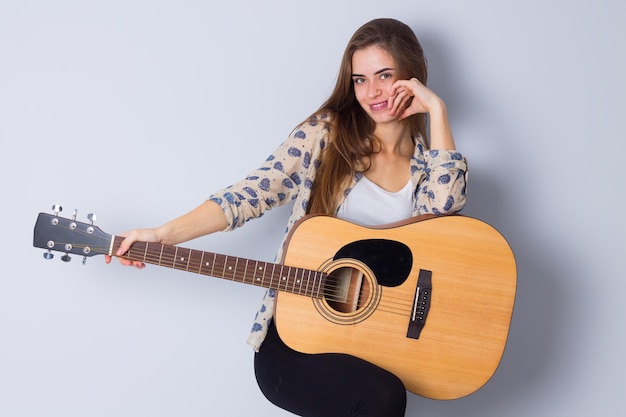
{"x":421,"y":304}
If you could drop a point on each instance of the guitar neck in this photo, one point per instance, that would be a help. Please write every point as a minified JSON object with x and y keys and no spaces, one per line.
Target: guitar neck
{"x":279,"y":277}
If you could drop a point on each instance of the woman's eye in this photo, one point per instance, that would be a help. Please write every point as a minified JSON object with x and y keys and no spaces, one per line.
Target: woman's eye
{"x":384,"y":76}
{"x":358,"y":80}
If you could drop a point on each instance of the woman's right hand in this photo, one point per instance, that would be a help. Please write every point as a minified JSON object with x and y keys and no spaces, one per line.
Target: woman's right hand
{"x":130,"y":237}
{"x":207,"y":218}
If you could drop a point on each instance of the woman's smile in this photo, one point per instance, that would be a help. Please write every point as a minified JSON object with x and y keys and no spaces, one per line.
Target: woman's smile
{"x":382,"y":105}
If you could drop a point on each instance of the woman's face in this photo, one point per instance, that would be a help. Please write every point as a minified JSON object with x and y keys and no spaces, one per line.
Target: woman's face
{"x":373,"y":73}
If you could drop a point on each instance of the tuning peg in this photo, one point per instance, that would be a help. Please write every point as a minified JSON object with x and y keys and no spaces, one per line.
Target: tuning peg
{"x":74,"y":214}
{"x":66,"y":258}
{"x":92,"y":217}
{"x":56,"y":209}
{"x":48,"y":255}
{"x":84,"y":260}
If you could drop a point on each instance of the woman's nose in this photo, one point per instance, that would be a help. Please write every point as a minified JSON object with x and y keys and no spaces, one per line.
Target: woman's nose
{"x":374,"y":90}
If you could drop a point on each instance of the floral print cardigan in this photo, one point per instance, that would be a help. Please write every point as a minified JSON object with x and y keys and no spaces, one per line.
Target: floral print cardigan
{"x":439,"y":179}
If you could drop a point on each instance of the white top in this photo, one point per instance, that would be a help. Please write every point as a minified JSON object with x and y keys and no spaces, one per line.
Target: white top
{"x":368,"y":204}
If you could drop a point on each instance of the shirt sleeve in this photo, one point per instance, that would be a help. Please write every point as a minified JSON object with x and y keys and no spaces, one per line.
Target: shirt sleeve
{"x":280,"y":179}
{"x":442,"y":189}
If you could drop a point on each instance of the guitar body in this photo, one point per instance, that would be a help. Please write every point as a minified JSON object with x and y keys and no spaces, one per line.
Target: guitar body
{"x":471,"y":283}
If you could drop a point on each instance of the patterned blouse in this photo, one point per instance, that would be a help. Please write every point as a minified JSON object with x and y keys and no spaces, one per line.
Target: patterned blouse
{"x":439,"y":179}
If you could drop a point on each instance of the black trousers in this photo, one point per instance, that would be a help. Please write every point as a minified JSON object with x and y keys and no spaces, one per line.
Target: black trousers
{"x":326,"y":385}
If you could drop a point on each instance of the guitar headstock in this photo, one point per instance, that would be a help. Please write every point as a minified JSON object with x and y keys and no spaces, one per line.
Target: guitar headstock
{"x":55,"y":233}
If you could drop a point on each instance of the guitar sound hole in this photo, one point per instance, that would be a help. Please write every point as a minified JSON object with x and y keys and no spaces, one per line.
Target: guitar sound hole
{"x":346,"y":290}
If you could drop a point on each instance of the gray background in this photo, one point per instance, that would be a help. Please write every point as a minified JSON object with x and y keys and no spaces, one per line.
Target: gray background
{"x":137,"y":110}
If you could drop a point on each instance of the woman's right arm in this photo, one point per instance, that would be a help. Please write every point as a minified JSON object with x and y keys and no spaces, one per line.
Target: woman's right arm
{"x":279,"y":180}
{"x":205,"y":219}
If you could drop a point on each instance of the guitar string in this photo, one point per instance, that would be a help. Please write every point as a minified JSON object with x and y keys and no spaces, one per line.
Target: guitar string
{"x":331,"y":293}
{"x":330,"y":289}
{"x":392,"y":305}
{"x":191,"y":263}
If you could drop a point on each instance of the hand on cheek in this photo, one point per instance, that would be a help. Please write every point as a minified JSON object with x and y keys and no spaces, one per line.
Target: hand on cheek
{"x":399,"y":101}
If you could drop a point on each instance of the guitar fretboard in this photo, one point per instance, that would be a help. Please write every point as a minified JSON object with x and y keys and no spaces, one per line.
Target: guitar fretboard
{"x":262,"y":274}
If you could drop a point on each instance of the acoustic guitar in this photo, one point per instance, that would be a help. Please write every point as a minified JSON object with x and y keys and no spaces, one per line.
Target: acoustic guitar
{"x":429,"y":299}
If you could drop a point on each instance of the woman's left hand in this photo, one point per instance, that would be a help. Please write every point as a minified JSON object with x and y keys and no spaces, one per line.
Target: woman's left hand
{"x":409,"y":97}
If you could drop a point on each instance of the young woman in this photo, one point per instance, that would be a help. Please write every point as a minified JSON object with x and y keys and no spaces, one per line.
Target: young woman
{"x":364,"y":157}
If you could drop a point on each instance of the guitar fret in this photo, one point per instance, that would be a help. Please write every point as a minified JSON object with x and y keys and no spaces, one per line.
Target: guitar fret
{"x":309,"y":284}
{"x":161,"y":255}
{"x":228,"y":267}
{"x":184,"y":258}
{"x":201,"y":263}
{"x":213,"y":265}
{"x":235,"y":268}
{"x":294,"y":279}
{"x":197,"y":260}
{"x":170,"y":256}
{"x":245,"y":271}
{"x":316,"y":281}
{"x":224,"y":269}
{"x":277,"y":276}
{"x":232,"y":268}
{"x":144,"y":258}
{"x":319,"y":285}
{"x":255,"y":280}
{"x":272,"y":275}
{"x":285,"y":278}
{"x":188,"y":259}
{"x":308,"y":281}
{"x":163,"y":259}
{"x":271,"y":284}
{"x":178,"y":259}
{"x":281,"y":278}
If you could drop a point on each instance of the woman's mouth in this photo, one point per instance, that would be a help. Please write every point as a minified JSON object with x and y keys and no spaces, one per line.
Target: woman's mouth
{"x":378,"y":106}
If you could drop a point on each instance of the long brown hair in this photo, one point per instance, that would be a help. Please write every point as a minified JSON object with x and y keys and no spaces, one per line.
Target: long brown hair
{"x":351,"y":129}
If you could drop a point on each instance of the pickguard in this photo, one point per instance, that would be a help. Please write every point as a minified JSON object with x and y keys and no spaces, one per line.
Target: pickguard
{"x":390,"y":261}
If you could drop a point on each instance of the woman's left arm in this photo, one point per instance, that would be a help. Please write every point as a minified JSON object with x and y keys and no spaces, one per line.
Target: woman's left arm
{"x":442,"y":188}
